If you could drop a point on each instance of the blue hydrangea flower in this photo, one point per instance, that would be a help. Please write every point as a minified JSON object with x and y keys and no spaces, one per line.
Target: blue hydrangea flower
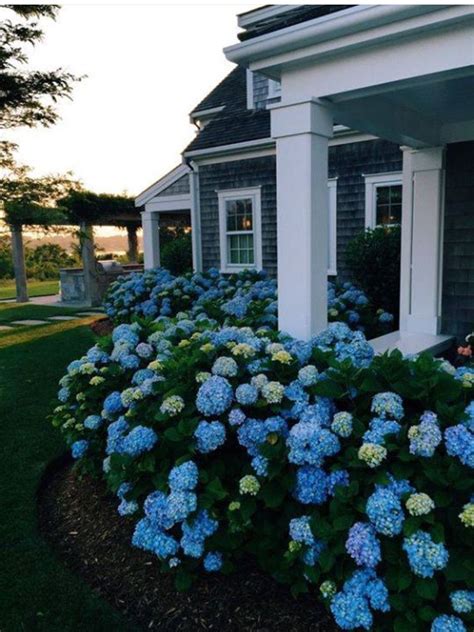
{"x":311,"y":485}
{"x":385,"y":512}
{"x":425,"y":437}
{"x":388,"y":405}
{"x":337,"y":478}
{"x":79,"y":448}
{"x":210,"y":435}
{"x":113,"y":403}
{"x":448,"y":623}
{"x":342,"y":424}
{"x":225,"y":367}
{"x":213,"y":562}
{"x":246,"y":394}
{"x":379,"y":428}
{"x":425,"y":556}
{"x":460,"y":443}
{"x":362,"y":592}
{"x":260,"y":465}
{"x":236,"y":417}
{"x":63,"y":394}
{"x":93,"y":422}
{"x":214,"y":396}
{"x":462,"y":600}
{"x":363,"y":545}
{"x":183,"y":477}
{"x":310,"y":444}
{"x":139,"y":440}
{"x":149,"y":537}
{"x":195,"y":534}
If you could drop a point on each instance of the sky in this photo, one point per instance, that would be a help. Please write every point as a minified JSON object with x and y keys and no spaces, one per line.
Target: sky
{"x":147,"y":66}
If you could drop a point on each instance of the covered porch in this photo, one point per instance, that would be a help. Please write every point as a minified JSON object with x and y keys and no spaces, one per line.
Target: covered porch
{"x":402,"y":73}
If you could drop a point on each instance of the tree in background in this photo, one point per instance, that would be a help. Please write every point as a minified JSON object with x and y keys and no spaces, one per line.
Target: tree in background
{"x":373,"y":258}
{"x":27,"y":96}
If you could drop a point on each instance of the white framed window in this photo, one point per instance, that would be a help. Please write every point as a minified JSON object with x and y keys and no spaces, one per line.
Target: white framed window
{"x":332,"y":231}
{"x":240,"y":229}
{"x":274,"y":89}
{"x":383,"y":199}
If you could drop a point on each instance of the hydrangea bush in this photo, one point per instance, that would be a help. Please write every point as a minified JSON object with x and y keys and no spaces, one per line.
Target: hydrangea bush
{"x":340,"y":473}
{"x":245,"y":299}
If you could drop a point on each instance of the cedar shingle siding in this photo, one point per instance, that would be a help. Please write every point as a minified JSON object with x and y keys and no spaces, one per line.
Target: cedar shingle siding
{"x":237,"y":175}
{"x":458,"y":271}
{"x":347,"y":162}
{"x":180,"y":187}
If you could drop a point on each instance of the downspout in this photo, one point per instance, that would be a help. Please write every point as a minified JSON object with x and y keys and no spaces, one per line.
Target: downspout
{"x":195,"y":215}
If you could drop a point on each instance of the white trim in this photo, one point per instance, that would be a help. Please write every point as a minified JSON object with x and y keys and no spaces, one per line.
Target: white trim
{"x":195,"y":218}
{"x":160,"y":185}
{"x":409,"y":343}
{"x":249,"y":84}
{"x":248,"y":18}
{"x":234,"y":194}
{"x":202,"y":114}
{"x":274,"y":89}
{"x":169,"y":203}
{"x":332,"y":258}
{"x":372,"y":182}
{"x":240,"y":151}
{"x":151,"y":239}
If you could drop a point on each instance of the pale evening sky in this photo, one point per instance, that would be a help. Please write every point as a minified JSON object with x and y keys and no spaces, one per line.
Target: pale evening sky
{"x":147,"y":67}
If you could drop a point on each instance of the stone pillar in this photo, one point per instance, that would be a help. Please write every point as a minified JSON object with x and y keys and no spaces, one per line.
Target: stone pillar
{"x":302,"y":131}
{"x":89,"y":265}
{"x":132,"y":252}
{"x":151,"y":239}
{"x":422,"y":239}
{"x":19,"y":268}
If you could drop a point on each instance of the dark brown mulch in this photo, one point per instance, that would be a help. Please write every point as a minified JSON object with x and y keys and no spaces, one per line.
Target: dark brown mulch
{"x":102,"y":327}
{"x":80,"y":520}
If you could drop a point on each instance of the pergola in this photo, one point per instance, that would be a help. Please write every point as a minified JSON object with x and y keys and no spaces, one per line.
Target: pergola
{"x":84,"y":210}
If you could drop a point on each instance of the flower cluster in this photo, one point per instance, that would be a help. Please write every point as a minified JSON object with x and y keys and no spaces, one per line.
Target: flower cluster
{"x":244,"y":298}
{"x":338,"y":470}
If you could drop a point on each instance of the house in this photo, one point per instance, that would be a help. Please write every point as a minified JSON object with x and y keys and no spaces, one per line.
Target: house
{"x":336,"y":118}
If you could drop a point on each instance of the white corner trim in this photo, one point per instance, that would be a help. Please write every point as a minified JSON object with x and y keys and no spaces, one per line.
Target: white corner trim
{"x":234,"y":194}
{"x":332,"y":250}
{"x":372,"y":181}
{"x":249,"y":84}
{"x":163,"y":183}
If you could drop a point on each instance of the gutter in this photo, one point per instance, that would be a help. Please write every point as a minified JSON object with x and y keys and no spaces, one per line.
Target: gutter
{"x":328,"y":27}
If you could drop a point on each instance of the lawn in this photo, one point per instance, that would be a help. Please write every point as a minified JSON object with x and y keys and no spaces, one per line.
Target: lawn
{"x":36,"y":591}
{"x":35,"y":288}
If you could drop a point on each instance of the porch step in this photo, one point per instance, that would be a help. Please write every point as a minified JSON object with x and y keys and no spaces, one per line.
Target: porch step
{"x":411,"y":343}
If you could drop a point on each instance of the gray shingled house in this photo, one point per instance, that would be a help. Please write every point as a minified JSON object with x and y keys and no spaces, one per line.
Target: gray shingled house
{"x":269,"y":116}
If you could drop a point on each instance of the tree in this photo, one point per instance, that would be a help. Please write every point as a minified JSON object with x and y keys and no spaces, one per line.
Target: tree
{"x":28,"y":97}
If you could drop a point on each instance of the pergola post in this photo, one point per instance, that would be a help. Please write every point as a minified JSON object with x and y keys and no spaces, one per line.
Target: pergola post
{"x":132,"y":252}
{"x":421,"y":249}
{"x":151,"y":239}
{"x":19,"y":267}
{"x":302,"y":131}
{"x":89,"y":265}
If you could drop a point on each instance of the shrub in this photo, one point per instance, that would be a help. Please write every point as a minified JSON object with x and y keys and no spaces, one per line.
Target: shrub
{"x":44,"y":261}
{"x":339,"y":472}
{"x":177,"y":255}
{"x":244,"y":299}
{"x":374,"y":261}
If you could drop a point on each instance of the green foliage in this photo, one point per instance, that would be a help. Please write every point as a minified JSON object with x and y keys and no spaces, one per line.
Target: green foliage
{"x":177,"y":256}
{"x":259,"y":524}
{"x":45,"y":261}
{"x":28,"y":97}
{"x":373,"y":258}
{"x":87,"y":206}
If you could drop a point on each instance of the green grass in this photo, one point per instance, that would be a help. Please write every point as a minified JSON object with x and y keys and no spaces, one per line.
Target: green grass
{"x":35,"y":288}
{"x":36,"y":591}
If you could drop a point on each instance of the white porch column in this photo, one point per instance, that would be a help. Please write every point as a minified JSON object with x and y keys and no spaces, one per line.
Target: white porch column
{"x":422,"y":240}
{"x":302,"y":131}
{"x":195,"y":218}
{"x":151,"y":239}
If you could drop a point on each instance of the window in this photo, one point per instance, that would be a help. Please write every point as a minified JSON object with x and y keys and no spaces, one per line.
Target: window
{"x":240,"y":229}
{"x":383,"y":199}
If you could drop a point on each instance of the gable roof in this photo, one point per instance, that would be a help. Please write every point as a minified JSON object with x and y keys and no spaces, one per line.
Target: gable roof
{"x":163,"y":183}
{"x":231,"y":93}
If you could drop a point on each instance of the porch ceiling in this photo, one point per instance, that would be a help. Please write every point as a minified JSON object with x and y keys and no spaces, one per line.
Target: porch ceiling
{"x":426,"y":112}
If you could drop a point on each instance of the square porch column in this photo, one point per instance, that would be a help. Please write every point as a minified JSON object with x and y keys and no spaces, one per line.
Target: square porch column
{"x":151,"y":239}
{"x":302,"y":131}
{"x":422,"y":239}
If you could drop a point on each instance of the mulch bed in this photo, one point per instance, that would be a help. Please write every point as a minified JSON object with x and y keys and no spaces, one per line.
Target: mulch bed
{"x":79,"y":519}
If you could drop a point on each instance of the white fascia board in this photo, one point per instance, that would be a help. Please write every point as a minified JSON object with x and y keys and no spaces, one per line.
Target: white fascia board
{"x":162,"y":184}
{"x":203,"y":114}
{"x":359,"y":19}
{"x":244,"y":20}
